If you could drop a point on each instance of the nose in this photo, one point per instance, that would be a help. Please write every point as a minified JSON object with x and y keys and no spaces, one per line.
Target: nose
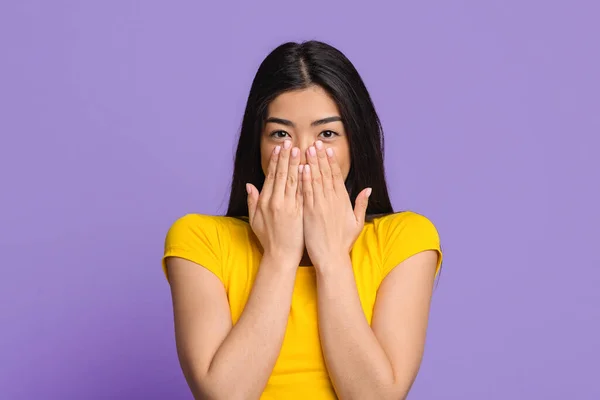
{"x":303,"y":145}
{"x":302,"y":156}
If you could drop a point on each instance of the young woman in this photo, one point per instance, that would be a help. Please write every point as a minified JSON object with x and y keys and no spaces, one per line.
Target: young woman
{"x":311,"y":287}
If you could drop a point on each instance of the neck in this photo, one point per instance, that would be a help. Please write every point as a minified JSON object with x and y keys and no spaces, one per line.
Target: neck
{"x":305,"y":261}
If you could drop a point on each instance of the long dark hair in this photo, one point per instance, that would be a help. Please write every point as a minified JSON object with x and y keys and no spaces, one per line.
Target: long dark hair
{"x":293,"y":66}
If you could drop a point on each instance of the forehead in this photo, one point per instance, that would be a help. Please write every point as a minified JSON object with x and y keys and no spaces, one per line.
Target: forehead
{"x":310,"y":103}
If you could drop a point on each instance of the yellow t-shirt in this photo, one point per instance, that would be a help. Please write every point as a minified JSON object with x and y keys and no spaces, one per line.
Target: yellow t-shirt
{"x":226,"y":247}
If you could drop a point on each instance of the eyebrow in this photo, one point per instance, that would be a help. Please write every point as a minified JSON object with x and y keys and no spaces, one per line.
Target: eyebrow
{"x":286,"y":122}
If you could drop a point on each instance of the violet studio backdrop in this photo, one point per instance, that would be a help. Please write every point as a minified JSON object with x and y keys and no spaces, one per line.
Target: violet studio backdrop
{"x":117,"y":117}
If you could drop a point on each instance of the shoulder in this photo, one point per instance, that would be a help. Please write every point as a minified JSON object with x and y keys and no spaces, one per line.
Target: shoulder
{"x":203,"y":239}
{"x":194,"y":231}
{"x":405,"y":225}
{"x":404,"y":234}
{"x":199,"y":225}
{"x":196,"y":221}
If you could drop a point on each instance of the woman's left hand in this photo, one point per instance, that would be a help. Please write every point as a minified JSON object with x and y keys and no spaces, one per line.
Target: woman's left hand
{"x":330,"y":224}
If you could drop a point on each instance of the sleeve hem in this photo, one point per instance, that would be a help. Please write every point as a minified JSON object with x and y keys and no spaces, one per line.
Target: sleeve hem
{"x":190,"y":256}
{"x":392,"y":265}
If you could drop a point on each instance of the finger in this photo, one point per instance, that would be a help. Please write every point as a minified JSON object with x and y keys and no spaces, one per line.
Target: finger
{"x":299,"y":194}
{"x":315,"y":173}
{"x":323,"y":162}
{"x":281,"y":174}
{"x":307,"y":188}
{"x":360,"y":206}
{"x":252,"y":200}
{"x":336,"y":172}
{"x":267,"y":188}
{"x":292,"y":179}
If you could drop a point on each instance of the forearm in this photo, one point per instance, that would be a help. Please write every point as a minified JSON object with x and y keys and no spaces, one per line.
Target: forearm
{"x":250,"y":350}
{"x":357,"y":364}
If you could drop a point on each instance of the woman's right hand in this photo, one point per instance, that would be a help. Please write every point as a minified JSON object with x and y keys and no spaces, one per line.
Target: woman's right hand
{"x":276,"y":213}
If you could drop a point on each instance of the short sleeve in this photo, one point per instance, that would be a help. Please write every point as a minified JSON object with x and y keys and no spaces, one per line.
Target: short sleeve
{"x":196,"y":238}
{"x":402,"y":235}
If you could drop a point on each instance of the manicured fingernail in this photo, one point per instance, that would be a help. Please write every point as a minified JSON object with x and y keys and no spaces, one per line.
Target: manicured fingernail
{"x":312,"y":151}
{"x":307,"y":169}
{"x":369,"y":190}
{"x":287,"y":144}
{"x":329,"y":152}
{"x":248,"y":189}
{"x":277,"y":149}
{"x":295,"y":152}
{"x":319,"y":144}
{"x":300,"y":168}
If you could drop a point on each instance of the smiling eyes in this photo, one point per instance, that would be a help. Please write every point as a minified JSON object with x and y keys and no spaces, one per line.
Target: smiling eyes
{"x":283,"y":134}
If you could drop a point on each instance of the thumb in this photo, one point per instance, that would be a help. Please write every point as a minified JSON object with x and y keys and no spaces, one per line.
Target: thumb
{"x":361,"y":204}
{"x":252,"y":200}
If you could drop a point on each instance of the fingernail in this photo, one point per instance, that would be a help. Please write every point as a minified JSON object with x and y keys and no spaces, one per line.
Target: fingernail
{"x":248,"y":189}
{"x":300,"y":168}
{"x":312,"y":151}
{"x":329,"y":152}
{"x":369,"y":190}
{"x":307,"y":169}
{"x":319,"y":144}
{"x":277,"y":149}
{"x":287,"y":144}
{"x":295,"y":152}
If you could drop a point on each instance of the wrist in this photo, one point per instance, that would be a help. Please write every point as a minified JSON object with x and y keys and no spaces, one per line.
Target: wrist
{"x":279,"y":261}
{"x":331,"y":264}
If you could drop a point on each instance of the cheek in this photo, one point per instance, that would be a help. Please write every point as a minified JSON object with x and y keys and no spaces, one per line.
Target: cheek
{"x":345,"y":165}
{"x":265,"y":155}
{"x":343,"y":157}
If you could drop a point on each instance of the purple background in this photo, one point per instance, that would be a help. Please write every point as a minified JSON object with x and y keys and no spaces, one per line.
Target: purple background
{"x":117,"y":117}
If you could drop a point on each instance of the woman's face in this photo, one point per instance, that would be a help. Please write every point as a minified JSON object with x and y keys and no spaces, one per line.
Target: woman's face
{"x":305,"y":116}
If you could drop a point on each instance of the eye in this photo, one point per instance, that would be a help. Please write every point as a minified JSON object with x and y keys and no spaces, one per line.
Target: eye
{"x":279,"y":134}
{"x":328,"y":134}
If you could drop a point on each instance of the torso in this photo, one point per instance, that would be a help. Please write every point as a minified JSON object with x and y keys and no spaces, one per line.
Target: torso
{"x":300,"y":363}
{"x":227,"y":247}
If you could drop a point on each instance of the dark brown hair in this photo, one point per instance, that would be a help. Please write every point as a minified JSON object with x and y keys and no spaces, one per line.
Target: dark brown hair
{"x":293,"y":66}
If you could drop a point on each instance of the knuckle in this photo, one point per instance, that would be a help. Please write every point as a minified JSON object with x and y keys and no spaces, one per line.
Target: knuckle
{"x":291,"y":180}
{"x":280,"y":175}
{"x":274,"y":206}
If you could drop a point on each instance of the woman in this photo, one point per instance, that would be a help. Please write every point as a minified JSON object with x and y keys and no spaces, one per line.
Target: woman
{"x":295,"y":293}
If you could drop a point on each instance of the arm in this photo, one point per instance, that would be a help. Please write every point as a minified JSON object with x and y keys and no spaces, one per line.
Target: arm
{"x":212,"y":353}
{"x":382,"y":361}
{"x":224,"y":362}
